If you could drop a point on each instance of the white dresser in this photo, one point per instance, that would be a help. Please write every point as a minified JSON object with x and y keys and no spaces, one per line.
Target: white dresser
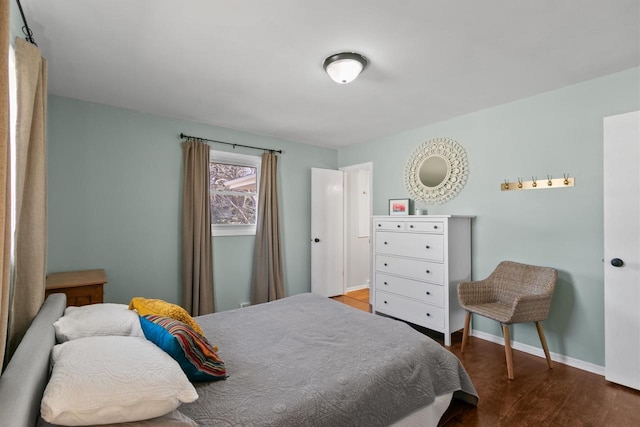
{"x":417,"y":264}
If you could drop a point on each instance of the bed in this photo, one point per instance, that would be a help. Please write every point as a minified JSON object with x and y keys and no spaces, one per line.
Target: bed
{"x":302,"y":360}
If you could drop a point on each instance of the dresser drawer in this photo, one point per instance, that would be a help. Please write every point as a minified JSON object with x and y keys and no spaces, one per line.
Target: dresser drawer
{"x":425,"y":246}
{"x":426,"y":292}
{"x":434,"y":227}
{"x":410,"y":310}
{"x":389,"y":225}
{"x":415,"y":269}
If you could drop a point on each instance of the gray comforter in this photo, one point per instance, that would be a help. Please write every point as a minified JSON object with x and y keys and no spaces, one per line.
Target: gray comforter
{"x":311,"y":361}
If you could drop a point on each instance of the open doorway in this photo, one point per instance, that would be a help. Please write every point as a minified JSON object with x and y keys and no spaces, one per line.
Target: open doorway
{"x":340,"y":229}
{"x":357,"y":226}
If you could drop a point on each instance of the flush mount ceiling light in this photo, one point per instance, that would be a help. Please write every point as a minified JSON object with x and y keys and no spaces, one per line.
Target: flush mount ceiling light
{"x":344,"y":67}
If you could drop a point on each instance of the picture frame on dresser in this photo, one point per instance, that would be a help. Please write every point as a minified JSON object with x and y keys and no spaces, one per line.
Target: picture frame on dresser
{"x":400,"y":207}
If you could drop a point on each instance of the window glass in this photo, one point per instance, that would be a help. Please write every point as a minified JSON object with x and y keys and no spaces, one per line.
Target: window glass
{"x":233,"y":189}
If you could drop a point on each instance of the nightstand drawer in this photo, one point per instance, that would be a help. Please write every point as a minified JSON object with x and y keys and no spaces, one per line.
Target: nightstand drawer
{"x":81,"y":295}
{"x":81,"y":287}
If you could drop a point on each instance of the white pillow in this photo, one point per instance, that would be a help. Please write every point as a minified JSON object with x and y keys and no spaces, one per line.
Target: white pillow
{"x":97,"y":320}
{"x":172,"y":419}
{"x":112,"y":379}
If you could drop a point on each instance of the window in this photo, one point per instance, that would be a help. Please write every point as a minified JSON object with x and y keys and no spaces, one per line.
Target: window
{"x":233,"y":188}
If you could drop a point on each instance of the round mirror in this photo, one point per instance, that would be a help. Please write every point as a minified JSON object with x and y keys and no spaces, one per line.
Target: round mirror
{"x":436,"y":171}
{"x":433,"y":172}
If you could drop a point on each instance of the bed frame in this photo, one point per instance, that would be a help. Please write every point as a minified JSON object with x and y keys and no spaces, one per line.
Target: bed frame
{"x":23,"y":381}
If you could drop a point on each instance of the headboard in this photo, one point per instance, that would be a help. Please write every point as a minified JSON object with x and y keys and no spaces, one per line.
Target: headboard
{"x":23,"y":381}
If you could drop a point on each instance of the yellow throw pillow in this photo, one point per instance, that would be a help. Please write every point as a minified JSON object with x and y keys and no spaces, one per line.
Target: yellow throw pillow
{"x":159,"y":307}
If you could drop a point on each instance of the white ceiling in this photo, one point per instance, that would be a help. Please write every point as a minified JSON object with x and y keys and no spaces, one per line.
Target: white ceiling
{"x":256,"y":65}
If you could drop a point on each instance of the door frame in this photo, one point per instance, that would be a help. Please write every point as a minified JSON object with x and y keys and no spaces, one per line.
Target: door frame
{"x":345,"y":259}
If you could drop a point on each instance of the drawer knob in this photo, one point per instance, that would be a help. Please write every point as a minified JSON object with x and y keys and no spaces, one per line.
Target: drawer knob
{"x":385,"y":264}
{"x":428,"y":247}
{"x":386,"y":302}
{"x":379,"y":225}
{"x":428,"y":315}
{"x":385,"y":283}
{"x":428,"y":293}
{"x":398,"y":225}
{"x":385,"y":243}
{"x":435,"y":227}
{"x":411,"y":226}
{"x":428,"y":271}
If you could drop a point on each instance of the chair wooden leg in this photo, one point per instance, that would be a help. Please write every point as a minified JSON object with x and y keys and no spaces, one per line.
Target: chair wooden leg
{"x":543,"y":340}
{"x":507,"y":350}
{"x":465,"y":332}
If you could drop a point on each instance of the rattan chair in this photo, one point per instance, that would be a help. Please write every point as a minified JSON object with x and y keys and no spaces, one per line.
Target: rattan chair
{"x":513,"y":293}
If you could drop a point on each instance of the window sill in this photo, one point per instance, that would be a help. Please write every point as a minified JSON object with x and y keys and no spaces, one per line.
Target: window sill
{"x":232,"y":230}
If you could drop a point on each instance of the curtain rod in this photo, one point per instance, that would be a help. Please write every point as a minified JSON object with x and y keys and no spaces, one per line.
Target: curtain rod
{"x":182,"y":135}
{"x":28,"y":34}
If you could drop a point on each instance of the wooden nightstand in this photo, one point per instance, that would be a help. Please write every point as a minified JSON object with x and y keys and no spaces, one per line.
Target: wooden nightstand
{"x":81,"y":287}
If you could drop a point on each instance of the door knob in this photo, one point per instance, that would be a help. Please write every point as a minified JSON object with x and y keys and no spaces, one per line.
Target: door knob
{"x":316,"y":240}
{"x":617,"y":262}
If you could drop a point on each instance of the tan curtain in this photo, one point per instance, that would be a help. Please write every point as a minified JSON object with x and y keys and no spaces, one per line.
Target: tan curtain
{"x":197,"y":260}
{"x":5,"y":184}
{"x":31,"y":196}
{"x":267,"y":283}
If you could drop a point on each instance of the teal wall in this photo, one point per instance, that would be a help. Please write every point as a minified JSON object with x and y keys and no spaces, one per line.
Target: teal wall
{"x":114,"y":199}
{"x":15,"y":23}
{"x":114,"y":196}
{"x":553,"y":133}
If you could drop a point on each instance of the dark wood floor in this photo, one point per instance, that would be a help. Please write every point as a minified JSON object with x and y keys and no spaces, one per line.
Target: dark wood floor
{"x":562,"y":396}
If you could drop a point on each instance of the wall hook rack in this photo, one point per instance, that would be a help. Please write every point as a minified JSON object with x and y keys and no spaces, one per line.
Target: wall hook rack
{"x":535,"y":184}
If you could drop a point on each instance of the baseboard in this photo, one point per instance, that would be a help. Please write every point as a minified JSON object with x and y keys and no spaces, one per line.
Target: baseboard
{"x":357,"y":287}
{"x":560,"y":358}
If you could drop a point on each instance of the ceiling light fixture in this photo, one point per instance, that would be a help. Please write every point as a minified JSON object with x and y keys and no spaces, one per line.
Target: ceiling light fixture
{"x":345,"y":67}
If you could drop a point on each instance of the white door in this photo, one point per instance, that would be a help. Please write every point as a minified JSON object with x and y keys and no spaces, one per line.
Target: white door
{"x":327,"y":228}
{"x":622,"y":248}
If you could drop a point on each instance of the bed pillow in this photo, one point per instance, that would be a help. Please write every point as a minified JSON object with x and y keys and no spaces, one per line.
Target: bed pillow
{"x":112,"y":379}
{"x":146,"y":306}
{"x":172,"y":419}
{"x":97,"y":320}
{"x":197,"y":358}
